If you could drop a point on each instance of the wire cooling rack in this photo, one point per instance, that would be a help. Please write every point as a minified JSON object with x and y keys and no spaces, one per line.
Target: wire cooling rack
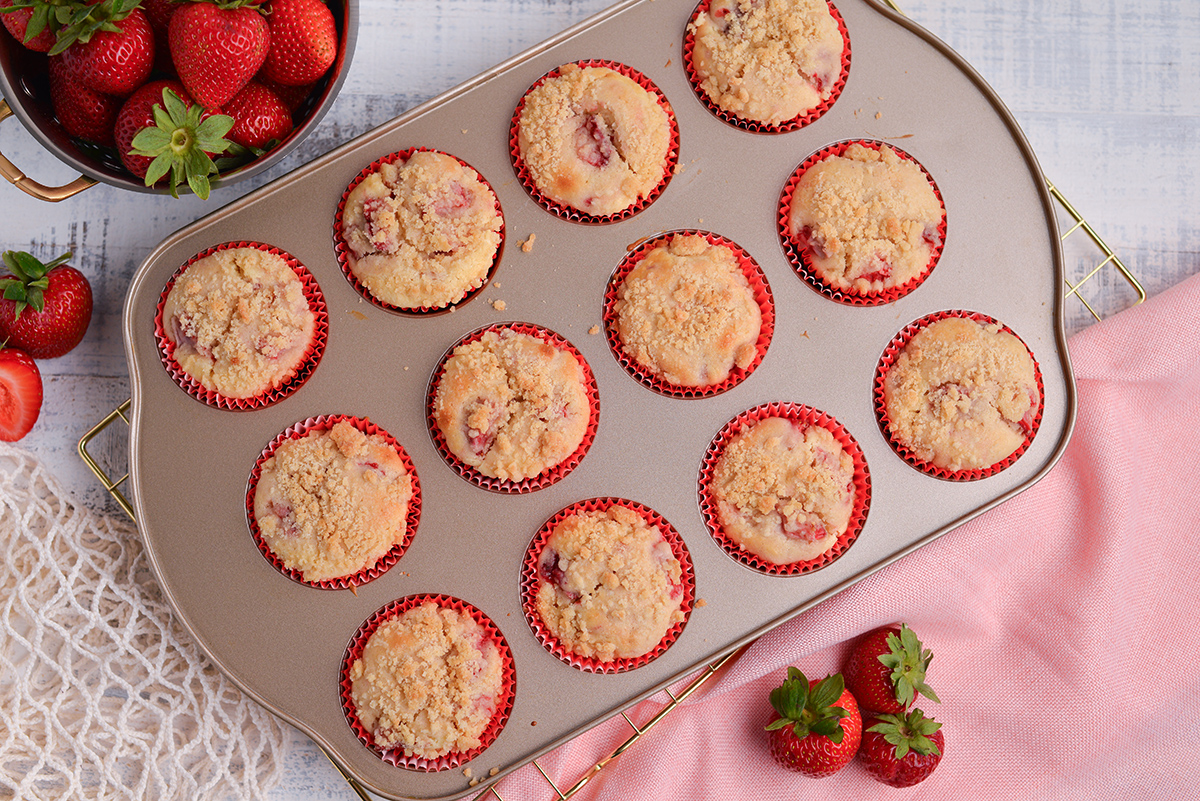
{"x":1094,"y":275}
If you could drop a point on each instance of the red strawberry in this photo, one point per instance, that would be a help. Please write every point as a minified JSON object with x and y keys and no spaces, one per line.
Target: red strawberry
{"x":217,"y":49}
{"x":18,"y":24}
{"x":117,"y":58}
{"x":292,"y":96}
{"x":81,"y":112}
{"x":160,"y":130}
{"x":45,"y":308}
{"x":303,"y":41}
{"x":159,"y":13}
{"x":817,"y":726}
{"x":902,"y":750}
{"x":886,"y":670}
{"x":20,"y":394}
{"x":259,"y":116}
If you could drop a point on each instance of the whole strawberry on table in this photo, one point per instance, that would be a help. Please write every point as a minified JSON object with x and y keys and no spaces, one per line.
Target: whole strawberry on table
{"x":45,"y":310}
{"x":886,"y":672}
{"x":241,"y":69}
{"x":817,"y":725}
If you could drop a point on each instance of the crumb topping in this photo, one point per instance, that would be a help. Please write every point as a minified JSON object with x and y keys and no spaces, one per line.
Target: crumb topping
{"x":962,"y":395}
{"x":784,"y":491}
{"x":610,"y":584}
{"x":422,"y":232}
{"x":593,"y":139}
{"x":687,"y":313}
{"x":239,"y":321}
{"x":332,"y":503}
{"x":429,"y":681}
{"x":512,"y":405}
{"x":769,"y":61}
{"x":868,"y":219}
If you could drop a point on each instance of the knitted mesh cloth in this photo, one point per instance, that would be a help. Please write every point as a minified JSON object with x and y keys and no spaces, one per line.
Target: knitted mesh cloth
{"x":103,"y":694}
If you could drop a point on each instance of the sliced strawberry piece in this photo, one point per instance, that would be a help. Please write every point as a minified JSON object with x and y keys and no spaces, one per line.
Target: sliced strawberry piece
{"x":20,"y":394}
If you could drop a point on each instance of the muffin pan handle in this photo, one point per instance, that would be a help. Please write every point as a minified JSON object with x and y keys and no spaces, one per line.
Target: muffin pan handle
{"x":51,"y":194}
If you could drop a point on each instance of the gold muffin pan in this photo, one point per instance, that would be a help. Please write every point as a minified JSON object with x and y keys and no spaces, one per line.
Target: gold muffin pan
{"x":283,"y":642}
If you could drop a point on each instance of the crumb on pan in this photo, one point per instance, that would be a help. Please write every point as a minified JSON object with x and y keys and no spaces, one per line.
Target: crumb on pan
{"x":527,"y":245}
{"x":499,"y":305}
{"x":595,"y":329}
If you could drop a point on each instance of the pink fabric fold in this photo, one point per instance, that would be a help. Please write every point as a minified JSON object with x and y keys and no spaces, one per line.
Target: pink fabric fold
{"x":1065,"y":623}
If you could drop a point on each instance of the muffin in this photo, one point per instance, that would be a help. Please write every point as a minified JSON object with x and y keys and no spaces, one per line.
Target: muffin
{"x":593,"y":139}
{"x":609,"y":585}
{"x":332,"y":502}
{"x":420,"y":232}
{"x":866,"y":221}
{"x":784,"y":490}
{"x":429,"y":681}
{"x":686,"y":312}
{"x":512,"y":405}
{"x":766,"y":61}
{"x":239,"y":322}
{"x":961,"y":394}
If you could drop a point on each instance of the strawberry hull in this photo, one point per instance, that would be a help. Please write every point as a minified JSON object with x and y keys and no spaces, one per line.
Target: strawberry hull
{"x":25,"y":85}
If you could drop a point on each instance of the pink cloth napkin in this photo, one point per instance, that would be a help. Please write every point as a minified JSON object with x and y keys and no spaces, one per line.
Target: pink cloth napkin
{"x":1065,"y":623}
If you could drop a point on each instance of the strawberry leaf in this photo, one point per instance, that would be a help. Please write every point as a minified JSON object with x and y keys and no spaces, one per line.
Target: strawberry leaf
{"x":179,"y":144}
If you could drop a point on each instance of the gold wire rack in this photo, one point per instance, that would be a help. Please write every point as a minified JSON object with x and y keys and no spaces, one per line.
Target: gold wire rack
{"x":1090,"y":267}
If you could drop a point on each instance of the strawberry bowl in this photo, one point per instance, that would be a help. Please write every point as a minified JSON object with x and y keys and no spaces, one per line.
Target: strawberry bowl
{"x":25,"y":84}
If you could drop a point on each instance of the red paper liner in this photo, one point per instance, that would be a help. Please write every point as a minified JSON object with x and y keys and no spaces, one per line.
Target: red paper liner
{"x":798,"y":254}
{"x":342,"y":250}
{"x":762,"y":294}
{"x":753,"y":126}
{"x":530,"y":582}
{"x":575,"y":215}
{"x":889,"y":357}
{"x":550,"y":475}
{"x":397,"y":756}
{"x":805,"y":416}
{"x":385,"y":562}
{"x":316,"y":302}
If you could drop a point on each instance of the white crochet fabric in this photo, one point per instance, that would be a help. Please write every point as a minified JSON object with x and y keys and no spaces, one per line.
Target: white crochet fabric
{"x":103,"y":694}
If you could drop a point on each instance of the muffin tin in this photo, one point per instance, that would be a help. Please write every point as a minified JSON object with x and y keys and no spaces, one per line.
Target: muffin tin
{"x":284,"y":642}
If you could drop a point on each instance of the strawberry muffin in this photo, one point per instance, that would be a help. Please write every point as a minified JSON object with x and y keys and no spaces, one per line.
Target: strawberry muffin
{"x":428,"y":682}
{"x":687,"y":313}
{"x":961,"y":394}
{"x":421,"y":232}
{"x":512,"y":405}
{"x":610,"y":586}
{"x":784,"y":491}
{"x":593,"y":139}
{"x":239,"y":321}
{"x":766,"y":61}
{"x":867,"y":220}
{"x":333,"y":502}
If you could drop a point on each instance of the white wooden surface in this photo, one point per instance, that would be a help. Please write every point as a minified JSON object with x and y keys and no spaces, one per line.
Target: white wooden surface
{"x":1107,"y":91}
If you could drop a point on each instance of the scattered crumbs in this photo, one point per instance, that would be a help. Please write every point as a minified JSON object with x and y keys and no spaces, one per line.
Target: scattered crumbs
{"x":473,"y":782}
{"x":452,"y":310}
{"x":496,"y":284}
{"x":805,"y":334}
{"x":467,"y":772}
{"x":679,"y":167}
{"x":406,"y":367}
{"x":878,"y":115}
{"x":700,"y":602}
{"x":533,"y":723}
{"x":499,"y":305}
{"x":464,"y":130}
{"x":527,"y":245}
{"x":354,"y":590}
{"x":493,"y":771}
{"x":668,"y":63}
{"x":700,"y":220}
{"x":857,"y":111}
{"x":595,"y":329}
{"x":357,"y":315}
